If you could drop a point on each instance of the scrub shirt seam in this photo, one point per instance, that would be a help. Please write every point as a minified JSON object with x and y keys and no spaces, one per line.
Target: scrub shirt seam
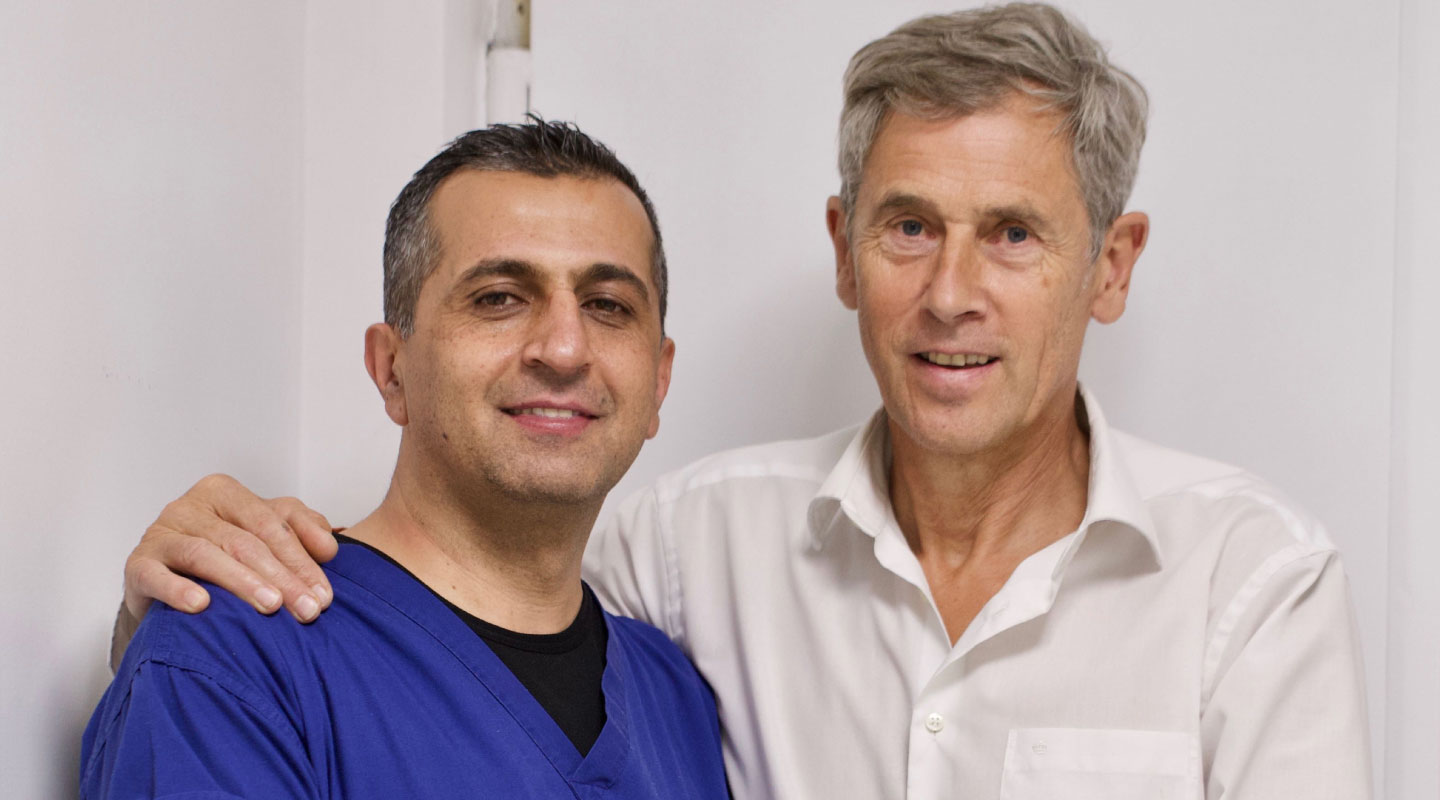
{"x":168,"y":659}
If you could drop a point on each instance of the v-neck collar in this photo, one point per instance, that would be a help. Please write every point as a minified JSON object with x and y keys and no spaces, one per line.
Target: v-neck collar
{"x":604,"y":763}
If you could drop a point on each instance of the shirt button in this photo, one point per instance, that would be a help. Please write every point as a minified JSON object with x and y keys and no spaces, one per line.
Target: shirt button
{"x":934,"y":723}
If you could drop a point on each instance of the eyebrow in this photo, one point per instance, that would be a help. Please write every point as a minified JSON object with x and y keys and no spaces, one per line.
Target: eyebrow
{"x":517,"y":269}
{"x":903,"y":201}
{"x":1020,"y":212}
{"x":499,"y":268}
{"x":606,"y":273}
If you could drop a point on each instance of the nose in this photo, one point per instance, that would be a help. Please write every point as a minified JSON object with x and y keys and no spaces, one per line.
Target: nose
{"x":955,"y":287}
{"x":558,"y":340}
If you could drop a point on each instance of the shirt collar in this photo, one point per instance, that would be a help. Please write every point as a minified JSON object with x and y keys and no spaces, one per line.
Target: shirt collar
{"x":858,"y":486}
{"x":1112,"y":494}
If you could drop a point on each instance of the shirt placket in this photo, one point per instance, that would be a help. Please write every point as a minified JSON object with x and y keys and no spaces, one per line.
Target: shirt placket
{"x":937,"y":717}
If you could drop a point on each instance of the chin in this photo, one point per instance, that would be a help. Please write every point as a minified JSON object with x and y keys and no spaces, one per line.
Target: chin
{"x":950,"y":432}
{"x":552,"y":492}
{"x":561,"y":487}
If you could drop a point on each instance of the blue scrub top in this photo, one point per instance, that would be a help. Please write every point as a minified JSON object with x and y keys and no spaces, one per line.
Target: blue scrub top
{"x":388,"y":694}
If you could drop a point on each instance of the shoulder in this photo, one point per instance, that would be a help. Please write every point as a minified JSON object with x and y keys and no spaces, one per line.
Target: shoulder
{"x":1198,"y":497}
{"x":218,"y":641}
{"x":756,"y":479}
{"x":645,"y":644}
{"x":654,"y":658}
{"x":660,"y":670}
{"x":219,"y":664}
{"x":757,"y":488}
{"x":227,"y":651}
{"x":1253,"y":546}
{"x":753,"y":467}
{"x":231,"y":641}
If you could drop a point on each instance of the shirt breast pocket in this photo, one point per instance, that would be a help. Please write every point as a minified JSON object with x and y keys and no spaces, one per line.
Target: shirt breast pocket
{"x":1100,"y":764}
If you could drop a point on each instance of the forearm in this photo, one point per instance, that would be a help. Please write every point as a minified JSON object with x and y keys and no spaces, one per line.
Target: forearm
{"x":120,"y":636}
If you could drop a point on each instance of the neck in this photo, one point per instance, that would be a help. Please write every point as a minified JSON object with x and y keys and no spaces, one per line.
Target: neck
{"x":512,"y":562}
{"x":1000,"y":505}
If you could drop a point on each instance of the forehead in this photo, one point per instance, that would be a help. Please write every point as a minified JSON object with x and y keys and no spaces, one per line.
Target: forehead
{"x":558,"y":224}
{"x":1014,"y":152}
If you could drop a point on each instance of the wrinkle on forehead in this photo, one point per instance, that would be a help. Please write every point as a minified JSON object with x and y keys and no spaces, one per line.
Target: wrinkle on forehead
{"x":1007,"y":159}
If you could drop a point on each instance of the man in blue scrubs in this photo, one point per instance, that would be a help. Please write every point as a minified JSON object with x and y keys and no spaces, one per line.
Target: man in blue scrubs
{"x":524,"y":356}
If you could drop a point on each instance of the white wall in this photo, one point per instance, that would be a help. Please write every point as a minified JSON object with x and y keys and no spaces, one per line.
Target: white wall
{"x":384,"y":90}
{"x":149,"y":250}
{"x":193,"y":208}
{"x":1413,"y":675}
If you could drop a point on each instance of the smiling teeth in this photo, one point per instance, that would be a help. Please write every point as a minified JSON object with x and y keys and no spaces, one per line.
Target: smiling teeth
{"x":957,"y":360}
{"x":556,"y":413}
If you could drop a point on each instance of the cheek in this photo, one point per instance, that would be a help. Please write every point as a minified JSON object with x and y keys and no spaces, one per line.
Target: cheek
{"x":1061,"y":356}
{"x":625,"y":367}
{"x":873,"y":331}
{"x":1075,"y":312}
{"x":458,"y":379}
{"x":882,"y":308}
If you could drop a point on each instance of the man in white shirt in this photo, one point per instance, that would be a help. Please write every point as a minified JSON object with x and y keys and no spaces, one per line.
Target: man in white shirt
{"x":984,"y":591}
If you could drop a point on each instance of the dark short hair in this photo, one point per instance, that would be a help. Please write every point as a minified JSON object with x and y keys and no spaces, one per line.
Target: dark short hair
{"x":541,"y":148}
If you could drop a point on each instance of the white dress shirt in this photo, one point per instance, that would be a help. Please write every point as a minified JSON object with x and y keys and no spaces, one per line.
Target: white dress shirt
{"x":1192,"y":639}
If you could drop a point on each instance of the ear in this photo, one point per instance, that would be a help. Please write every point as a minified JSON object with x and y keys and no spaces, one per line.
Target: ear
{"x":1123,"y":243}
{"x":383,"y":360}
{"x":838,"y":225}
{"x":662,"y":383}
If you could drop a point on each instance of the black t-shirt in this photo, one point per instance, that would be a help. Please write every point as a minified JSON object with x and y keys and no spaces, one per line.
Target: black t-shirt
{"x":561,"y":670}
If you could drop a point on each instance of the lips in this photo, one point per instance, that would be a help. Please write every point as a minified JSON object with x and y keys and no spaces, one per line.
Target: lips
{"x":551,"y":409}
{"x":551,"y":413}
{"x":956,"y":360}
{"x":552,"y":418}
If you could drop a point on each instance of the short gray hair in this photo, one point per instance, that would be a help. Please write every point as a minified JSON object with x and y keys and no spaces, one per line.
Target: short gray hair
{"x":537,"y":147}
{"x":957,"y":64}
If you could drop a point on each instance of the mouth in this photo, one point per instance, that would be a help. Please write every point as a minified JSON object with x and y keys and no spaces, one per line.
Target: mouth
{"x":549,"y":412}
{"x":956,"y":360}
{"x":550,"y":418}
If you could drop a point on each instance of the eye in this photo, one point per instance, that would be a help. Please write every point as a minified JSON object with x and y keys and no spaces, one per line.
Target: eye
{"x":1015,"y":234}
{"x":607,"y":306}
{"x":912,"y":227}
{"x":496,"y":299}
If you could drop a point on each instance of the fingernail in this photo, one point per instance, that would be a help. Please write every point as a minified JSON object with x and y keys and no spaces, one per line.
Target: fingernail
{"x":322,"y":593}
{"x":193,"y":599}
{"x":307,"y":607}
{"x":268,"y":598}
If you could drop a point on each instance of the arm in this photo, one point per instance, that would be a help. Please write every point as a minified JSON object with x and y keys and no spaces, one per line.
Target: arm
{"x":1286,"y":715}
{"x":166,"y":730}
{"x":264,"y":551}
